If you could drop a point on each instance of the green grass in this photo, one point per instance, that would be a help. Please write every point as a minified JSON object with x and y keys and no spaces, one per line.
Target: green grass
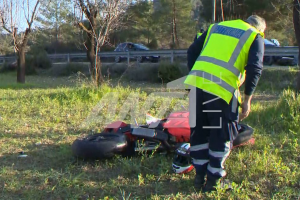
{"x":51,"y":111}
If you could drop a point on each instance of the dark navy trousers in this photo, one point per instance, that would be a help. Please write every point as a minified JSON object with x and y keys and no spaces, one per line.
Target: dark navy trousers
{"x":213,"y":128}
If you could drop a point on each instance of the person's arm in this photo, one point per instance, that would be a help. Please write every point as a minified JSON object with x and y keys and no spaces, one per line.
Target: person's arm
{"x":194,"y":50}
{"x":254,"y":66}
{"x":195,"y":38}
{"x":253,"y":72}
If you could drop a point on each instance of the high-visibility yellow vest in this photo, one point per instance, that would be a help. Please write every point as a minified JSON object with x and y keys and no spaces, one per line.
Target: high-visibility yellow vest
{"x":198,"y":35}
{"x":221,"y":63}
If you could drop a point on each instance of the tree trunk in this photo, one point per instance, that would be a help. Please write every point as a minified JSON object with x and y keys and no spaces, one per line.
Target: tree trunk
{"x":174,"y":31}
{"x":56,"y":26}
{"x":296,"y":20}
{"x":99,"y":77}
{"x":90,"y":45}
{"x":222,"y":11}
{"x":21,"y":65}
{"x":173,"y":37}
{"x":95,"y":67}
{"x":298,"y":83}
{"x":148,"y":35}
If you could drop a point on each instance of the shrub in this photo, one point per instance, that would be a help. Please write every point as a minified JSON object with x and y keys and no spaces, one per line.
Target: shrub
{"x":153,"y":44}
{"x":32,"y":61}
{"x":162,"y":72}
{"x":30,"y":65}
{"x":6,"y":67}
{"x":114,"y":71}
{"x":275,"y":80}
{"x":143,"y":73}
{"x":43,"y":61}
{"x":73,"y":68}
{"x":169,"y":71}
{"x":40,"y":57}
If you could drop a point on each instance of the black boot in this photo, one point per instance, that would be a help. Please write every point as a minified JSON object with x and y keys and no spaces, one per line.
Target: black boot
{"x":212,"y":183}
{"x":199,"y":181}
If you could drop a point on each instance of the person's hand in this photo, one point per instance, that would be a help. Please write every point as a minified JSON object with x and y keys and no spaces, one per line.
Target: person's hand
{"x":246,"y":108}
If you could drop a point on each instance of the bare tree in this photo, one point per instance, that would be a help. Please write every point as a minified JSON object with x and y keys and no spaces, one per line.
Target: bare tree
{"x":103,"y":16}
{"x":11,"y":13}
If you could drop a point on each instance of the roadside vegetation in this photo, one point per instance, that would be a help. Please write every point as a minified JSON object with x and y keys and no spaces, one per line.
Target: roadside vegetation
{"x":42,"y":118}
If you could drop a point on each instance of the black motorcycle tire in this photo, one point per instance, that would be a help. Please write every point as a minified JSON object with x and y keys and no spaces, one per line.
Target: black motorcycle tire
{"x":100,"y":146}
{"x":244,"y":136}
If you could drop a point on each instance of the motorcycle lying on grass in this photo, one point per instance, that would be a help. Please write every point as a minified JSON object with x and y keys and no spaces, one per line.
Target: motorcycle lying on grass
{"x":159,"y":135}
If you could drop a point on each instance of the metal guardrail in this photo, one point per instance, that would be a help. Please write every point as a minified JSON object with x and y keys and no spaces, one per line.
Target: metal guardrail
{"x":269,"y":51}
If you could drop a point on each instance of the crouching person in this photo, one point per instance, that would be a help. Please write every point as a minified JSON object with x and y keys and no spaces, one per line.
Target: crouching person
{"x":217,"y":61}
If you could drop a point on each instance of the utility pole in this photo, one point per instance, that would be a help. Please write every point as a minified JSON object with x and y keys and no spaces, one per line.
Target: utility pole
{"x":213,"y":11}
{"x":222,"y":10}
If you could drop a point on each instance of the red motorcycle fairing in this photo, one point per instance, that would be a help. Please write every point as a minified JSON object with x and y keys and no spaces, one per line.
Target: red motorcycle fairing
{"x":120,"y":127}
{"x":177,"y":124}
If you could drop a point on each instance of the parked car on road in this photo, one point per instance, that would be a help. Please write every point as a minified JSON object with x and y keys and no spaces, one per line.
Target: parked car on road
{"x":129,"y":46}
{"x":269,"y":60}
{"x":281,"y":60}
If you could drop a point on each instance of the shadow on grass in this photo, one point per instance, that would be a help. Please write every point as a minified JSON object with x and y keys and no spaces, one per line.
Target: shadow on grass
{"x":20,"y":86}
{"x":9,"y":81}
{"x":51,"y":172}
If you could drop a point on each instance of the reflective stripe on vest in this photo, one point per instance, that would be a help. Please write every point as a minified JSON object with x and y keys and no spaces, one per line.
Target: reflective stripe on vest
{"x":198,"y":35}
{"x":223,"y":64}
{"x":230,"y":64}
{"x":212,"y":78}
